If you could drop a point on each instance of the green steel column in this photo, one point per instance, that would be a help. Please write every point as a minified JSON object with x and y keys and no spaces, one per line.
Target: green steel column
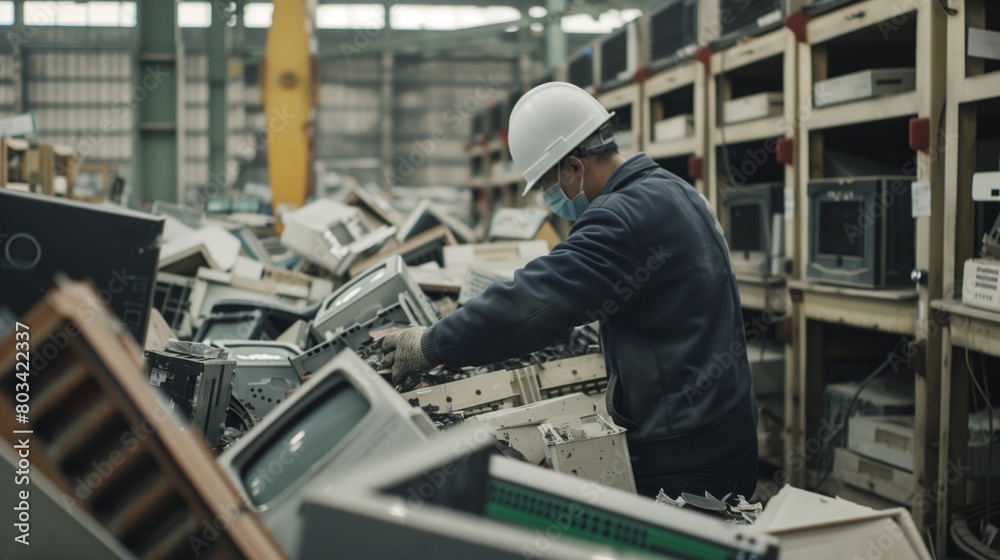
{"x":219,"y":49}
{"x":19,"y":36}
{"x":157,"y":101}
{"x":555,"y":39}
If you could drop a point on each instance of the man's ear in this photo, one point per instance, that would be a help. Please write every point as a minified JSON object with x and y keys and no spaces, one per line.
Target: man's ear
{"x":575,"y":164}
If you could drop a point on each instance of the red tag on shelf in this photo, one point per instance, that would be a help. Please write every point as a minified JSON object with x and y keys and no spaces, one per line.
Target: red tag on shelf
{"x":785,"y":151}
{"x":920,"y":134}
{"x":695,"y":166}
{"x":796,"y":23}
{"x":704,"y":56}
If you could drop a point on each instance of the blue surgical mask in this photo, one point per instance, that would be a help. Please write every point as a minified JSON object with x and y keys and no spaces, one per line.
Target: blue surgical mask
{"x":563,"y":206}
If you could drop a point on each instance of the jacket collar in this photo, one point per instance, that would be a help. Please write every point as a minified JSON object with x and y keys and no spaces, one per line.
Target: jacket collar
{"x":634,"y":166}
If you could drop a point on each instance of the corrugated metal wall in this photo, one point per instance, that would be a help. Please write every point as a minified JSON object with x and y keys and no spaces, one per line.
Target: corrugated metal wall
{"x":435,"y":99}
{"x":81,"y":99}
{"x":348,"y":128}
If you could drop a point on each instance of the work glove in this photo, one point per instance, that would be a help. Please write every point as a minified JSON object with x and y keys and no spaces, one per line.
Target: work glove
{"x":402,"y":352}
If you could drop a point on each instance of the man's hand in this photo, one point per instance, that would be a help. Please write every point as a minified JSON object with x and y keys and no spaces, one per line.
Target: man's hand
{"x":402,"y":352}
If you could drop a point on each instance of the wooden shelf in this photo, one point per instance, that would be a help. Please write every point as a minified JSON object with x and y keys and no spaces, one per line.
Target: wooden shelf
{"x":760,"y":129}
{"x":893,"y":311}
{"x":869,"y":110}
{"x":506,"y":178}
{"x":673,"y":148}
{"x":671,"y":79}
{"x":855,"y":17}
{"x":495,"y":145}
{"x":752,"y":50}
{"x":971,"y":327}
{"x":764,"y":293}
{"x":977,"y":88}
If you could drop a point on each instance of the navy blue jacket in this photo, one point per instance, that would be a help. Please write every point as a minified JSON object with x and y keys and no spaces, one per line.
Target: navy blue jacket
{"x":649,"y":261}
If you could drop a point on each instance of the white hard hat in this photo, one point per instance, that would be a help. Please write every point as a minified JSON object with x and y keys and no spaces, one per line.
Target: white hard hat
{"x":548,"y":123}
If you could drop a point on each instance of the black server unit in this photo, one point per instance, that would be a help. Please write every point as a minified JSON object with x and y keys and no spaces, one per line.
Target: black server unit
{"x":198,"y":380}
{"x":117,"y":249}
{"x":673,"y":33}
{"x":580,"y":71}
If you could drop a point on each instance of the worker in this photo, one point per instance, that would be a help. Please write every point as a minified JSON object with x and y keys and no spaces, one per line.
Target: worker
{"x":645,"y":257}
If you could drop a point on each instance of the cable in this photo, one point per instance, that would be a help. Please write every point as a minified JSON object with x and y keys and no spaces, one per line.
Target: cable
{"x":975,"y":395}
{"x":722,"y":131}
{"x":948,"y":9}
{"x":989,"y":446}
{"x":839,"y":428}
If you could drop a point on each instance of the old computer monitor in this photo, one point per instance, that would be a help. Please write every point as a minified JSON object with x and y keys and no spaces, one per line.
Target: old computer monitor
{"x":116,"y":248}
{"x":740,"y":18}
{"x":516,"y":224}
{"x":456,"y":496}
{"x":332,"y":234}
{"x":345,"y":415}
{"x":754,"y":222}
{"x":580,"y":70}
{"x":371,"y":291}
{"x":672,"y":36}
{"x":264,"y":373}
{"x":619,"y":58}
{"x":861,"y":231}
{"x":426,"y":217}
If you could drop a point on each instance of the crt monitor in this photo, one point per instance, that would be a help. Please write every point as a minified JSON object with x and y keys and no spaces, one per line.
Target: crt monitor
{"x":581,"y":69}
{"x":739,"y":18}
{"x":332,"y":234}
{"x":370,"y":292}
{"x":116,"y":248}
{"x":753,"y":219}
{"x":264,"y":373}
{"x":673,"y":32}
{"x":343,"y":416}
{"x":425,"y":217}
{"x":619,"y":56}
{"x":861,"y":231}
{"x":457,"y":496}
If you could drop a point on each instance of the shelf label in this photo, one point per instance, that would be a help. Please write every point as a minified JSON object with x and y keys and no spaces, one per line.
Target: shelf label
{"x":921,"y":199}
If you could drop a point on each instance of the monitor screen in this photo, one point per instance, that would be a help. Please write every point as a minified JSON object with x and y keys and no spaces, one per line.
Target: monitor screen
{"x":308,"y":437}
{"x":745,"y":228}
{"x":341,"y":234}
{"x":838,"y":231}
{"x":672,"y":28}
{"x":581,"y":71}
{"x":614,"y":56}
